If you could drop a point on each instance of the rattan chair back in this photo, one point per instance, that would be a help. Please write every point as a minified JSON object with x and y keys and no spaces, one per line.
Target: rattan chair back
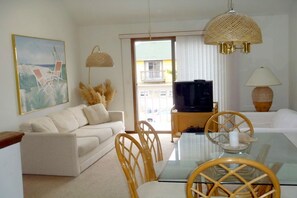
{"x":135,"y":161}
{"x":248,"y":178}
{"x":227,"y":121}
{"x":150,"y":140}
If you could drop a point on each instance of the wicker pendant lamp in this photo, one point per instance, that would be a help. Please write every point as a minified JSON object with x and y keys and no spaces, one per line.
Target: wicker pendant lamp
{"x":98,"y":59}
{"x":231,"y":31}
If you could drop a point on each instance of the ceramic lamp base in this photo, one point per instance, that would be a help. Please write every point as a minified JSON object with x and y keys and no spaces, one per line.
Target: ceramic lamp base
{"x":262,"y":98}
{"x":262,"y":106}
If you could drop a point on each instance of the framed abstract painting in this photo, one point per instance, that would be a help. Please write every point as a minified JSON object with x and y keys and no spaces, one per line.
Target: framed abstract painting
{"x":41,"y":74}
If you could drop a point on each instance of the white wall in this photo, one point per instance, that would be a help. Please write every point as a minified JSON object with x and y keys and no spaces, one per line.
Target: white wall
{"x":272,"y":53}
{"x":293,"y":56}
{"x":36,"y":18}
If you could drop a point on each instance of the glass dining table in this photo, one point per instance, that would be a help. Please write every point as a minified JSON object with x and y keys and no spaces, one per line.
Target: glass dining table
{"x":193,"y":149}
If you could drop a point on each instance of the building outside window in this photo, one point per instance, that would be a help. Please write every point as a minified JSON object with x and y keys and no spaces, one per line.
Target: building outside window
{"x":154,"y":82}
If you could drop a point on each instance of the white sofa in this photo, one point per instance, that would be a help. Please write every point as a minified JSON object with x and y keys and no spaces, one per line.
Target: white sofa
{"x":69,"y":141}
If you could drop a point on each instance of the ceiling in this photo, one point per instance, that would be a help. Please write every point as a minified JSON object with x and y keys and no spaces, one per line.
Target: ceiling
{"x":107,"y":12}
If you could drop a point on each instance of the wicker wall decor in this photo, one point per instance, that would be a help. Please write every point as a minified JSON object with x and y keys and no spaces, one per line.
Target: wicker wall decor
{"x":231,"y":31}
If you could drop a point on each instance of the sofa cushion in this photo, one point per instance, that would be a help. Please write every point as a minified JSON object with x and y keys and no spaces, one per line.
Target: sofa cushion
{"x":79,"y":114}
{"x":43,"y":124}
{"x":96,"y":114}
{"x":285,"y":118}
{"x":86,"y":144}
{"x":26,"y":127}
{"x":102,"y":134}
{"x":64,"y":121}
{"x":116,"y":126}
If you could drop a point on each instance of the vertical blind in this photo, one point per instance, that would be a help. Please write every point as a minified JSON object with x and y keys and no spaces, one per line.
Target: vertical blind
{"x":195,"y":60}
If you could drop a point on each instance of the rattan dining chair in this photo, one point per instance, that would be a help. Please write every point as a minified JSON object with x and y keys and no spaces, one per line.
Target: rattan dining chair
{"x":252,"y":179}
{"x":149,"y":139}
{"x":227,"y":121}
{"x":136,"y":163}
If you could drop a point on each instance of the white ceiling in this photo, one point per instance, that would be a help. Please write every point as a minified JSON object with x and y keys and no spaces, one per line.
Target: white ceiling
{"x":106,"y":12}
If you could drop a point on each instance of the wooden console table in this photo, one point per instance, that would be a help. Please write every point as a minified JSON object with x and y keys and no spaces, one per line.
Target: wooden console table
{"x":180,"y":121}
{"x":8,"y":138}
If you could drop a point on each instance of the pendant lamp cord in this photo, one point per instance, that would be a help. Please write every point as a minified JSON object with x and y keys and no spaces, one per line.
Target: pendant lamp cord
{"x":149,"y":19}
{"x":230,"y":5}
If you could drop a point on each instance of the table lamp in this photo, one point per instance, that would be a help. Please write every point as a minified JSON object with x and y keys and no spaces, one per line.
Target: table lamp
{"x":262,"y":94}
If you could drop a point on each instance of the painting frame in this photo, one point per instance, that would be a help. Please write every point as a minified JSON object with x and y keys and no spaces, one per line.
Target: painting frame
{"x":40,"y":71}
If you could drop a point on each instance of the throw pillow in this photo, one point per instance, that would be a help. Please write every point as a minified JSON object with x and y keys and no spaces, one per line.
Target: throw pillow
{"x":44,"y":124}
{"x":64,"y":120}
{"x":96,"y":114}
{"x":79,"y":114}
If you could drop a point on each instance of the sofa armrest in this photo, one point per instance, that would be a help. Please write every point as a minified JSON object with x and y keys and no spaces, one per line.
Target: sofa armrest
{"x":276,"y":130}
{"x":50,"y":154}
{"x":260,"y":119}
{"x":116,"y":116}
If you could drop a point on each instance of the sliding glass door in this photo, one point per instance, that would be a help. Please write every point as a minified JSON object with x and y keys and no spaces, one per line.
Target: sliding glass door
{"x":153,"y":74}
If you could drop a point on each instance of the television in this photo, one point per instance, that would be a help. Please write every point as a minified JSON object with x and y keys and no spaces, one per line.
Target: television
{"x":193,"y":96}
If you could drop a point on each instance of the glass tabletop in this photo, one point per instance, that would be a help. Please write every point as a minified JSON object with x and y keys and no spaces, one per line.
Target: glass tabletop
{"x":269,"y":148}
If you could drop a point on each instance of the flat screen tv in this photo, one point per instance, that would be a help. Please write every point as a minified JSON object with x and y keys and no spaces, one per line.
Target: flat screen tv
{"x":193,"y":96}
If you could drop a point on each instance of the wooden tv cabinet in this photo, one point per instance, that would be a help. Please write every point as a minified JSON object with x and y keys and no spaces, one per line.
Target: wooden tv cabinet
{"x":180,"y":121}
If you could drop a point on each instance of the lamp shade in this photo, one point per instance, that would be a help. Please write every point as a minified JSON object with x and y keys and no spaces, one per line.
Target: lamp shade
{"x":263,"y":77}
{"x":232,"y":27}
{"x":99,"y":59}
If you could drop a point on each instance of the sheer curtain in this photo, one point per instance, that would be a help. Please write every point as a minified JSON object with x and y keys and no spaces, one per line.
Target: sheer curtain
{"x":195,"y":60}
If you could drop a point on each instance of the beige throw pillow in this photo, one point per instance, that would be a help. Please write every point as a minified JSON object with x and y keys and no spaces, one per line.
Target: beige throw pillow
{"x":79,"y":114}
{"x":64,"y":120}
{"x":44,"y":124}
{"x":96,"y":114}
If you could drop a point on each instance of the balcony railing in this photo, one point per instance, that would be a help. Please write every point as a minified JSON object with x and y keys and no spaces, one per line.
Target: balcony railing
{"x":152,"y":76}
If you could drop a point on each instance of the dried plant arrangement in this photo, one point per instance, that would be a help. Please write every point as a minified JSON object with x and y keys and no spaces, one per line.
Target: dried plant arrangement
{"x":102,"y":93}
{"x":89,"y":94}
{"x":106,"y":90}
